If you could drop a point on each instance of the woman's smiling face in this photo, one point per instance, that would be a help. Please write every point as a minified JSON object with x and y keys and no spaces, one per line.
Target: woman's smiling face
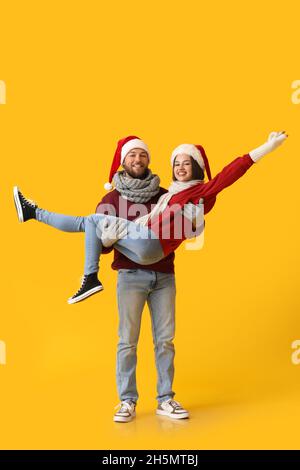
{"x":183,"y":170}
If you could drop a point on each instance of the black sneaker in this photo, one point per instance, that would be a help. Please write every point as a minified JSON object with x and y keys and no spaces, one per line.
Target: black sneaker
{"x":90,"y":285}
{"x":26,"y":209}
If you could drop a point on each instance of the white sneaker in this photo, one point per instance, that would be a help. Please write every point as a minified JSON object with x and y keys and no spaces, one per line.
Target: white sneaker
{"x":126,"y":412}
{"x":172,"y":408}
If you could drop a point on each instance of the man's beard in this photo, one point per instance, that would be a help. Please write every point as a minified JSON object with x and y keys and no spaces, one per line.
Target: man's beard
{"x":133,"y":175}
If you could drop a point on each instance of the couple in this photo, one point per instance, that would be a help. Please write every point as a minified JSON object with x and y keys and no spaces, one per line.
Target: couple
{"x":145,"y":262}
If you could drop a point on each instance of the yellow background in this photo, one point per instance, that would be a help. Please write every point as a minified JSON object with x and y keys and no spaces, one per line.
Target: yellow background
{"x":79,"y":76}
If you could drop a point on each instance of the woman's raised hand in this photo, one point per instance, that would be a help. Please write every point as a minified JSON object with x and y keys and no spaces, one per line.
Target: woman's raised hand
{"x":274,"y":140}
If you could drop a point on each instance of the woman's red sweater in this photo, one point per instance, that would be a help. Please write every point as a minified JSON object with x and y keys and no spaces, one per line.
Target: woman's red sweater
{"x":169,"y":225}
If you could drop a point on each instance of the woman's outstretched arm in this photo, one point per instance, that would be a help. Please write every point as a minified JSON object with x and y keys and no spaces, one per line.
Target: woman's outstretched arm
{"x":234,"y":170}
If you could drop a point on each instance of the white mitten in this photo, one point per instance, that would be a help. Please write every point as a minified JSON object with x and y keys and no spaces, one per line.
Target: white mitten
{"x":113,"y":231}
{"x":275,"y":139}
{"x":194,"y":213}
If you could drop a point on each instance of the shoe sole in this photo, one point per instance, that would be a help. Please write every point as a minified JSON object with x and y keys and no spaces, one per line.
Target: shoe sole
{"x":85,"y":295}
{"x":172,"y":415}
{"x":123,"y":419}
{"x":18,"y":204}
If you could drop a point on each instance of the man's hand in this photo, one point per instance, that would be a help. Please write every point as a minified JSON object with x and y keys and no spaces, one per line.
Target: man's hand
{"x":113,"y":231}
{"x":275,"y":139}
{"x":194,"y":213}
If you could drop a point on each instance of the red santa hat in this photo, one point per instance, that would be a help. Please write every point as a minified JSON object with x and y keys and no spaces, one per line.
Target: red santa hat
{"x":124,"y":146}
{"x":197,"y":152}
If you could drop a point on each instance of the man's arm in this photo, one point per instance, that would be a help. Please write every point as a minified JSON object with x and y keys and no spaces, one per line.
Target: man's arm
{"x":194,"y":213}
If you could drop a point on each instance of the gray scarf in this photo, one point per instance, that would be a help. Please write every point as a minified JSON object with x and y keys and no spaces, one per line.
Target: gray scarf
{"x":135,"y":189}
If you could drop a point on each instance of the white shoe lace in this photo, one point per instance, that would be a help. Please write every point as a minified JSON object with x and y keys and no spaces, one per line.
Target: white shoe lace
{"x":33,"y":203}
{"x":124,"y":406}
{"x":82,"y":283}
{"x":29,"y":201}
{"x":174,"y":403}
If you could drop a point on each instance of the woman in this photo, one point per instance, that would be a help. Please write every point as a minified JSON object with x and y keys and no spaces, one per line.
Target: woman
{"x":150,"y":238}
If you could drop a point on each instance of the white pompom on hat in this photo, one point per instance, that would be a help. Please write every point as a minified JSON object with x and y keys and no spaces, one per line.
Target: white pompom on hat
{"x":124,"y":146}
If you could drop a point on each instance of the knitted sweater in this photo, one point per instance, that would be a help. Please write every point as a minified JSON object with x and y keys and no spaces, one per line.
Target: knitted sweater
{"x":123,"y":208}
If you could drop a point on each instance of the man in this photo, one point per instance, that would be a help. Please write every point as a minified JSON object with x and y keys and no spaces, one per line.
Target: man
{"x":138,"y":284}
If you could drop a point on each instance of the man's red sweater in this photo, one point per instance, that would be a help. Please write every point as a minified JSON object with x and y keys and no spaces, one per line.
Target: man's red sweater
{"x":122,"y":209}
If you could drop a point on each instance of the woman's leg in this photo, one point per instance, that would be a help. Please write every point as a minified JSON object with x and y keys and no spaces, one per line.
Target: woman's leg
{"x":140,"y":245}
{"x":29,"y":210}
{"x":66,"y":223}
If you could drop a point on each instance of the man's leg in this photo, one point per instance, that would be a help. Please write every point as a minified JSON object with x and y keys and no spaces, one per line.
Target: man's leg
{"x":161,"y":302}
{"x":132,"y":289}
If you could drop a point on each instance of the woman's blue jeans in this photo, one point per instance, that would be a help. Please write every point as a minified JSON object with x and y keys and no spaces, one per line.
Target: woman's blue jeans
{"x":141,"y":244}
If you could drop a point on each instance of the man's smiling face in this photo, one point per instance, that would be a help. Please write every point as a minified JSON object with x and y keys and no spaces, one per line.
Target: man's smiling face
{"x":136,"y":163}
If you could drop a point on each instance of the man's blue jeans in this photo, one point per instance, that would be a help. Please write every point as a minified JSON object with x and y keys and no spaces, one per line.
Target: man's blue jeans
{"x":136,"y":287}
